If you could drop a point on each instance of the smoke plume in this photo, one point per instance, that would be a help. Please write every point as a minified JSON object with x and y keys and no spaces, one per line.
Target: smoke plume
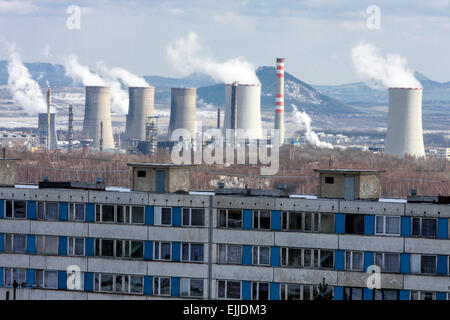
{"x":184,"y":55}
{"x":25,"y":91}
{"x":382,"y":72}
{"x":310,"y":136}
{"x":81,"y":73}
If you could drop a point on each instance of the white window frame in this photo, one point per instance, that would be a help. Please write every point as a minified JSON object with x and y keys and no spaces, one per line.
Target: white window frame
{"x":351,"y":253}
{"x":257,"y":249}
{"x":383,"y":267}
{"x":44,"y":245}
{"x":384,"y":233}
{"x":421,"y":227}
{"x":257,"y":284}
{"x":45,"y":210}
{"x":312,"y":288}
{"x":13,"y":213}
{"x":316,"y":221}
{"x":158,"y":216}
{"x":190,"y":218}
{"x":257,"y":215}
{"x":11,"y":275}
{"x":420,"y":294}
{"x":43,"y":280}
{"x":160,"y":249}
{"x":315,"y":258}
{"x":226,"y":289}
{"x":72,"y":214}
{"x":189,"y":295}
{"x":190,"y":251}
{"x":71,"y":244}
{"x":157,"y":289}
{"x":12,"y":240}
{"x":219,"y":245}
{"x":227,"y":218}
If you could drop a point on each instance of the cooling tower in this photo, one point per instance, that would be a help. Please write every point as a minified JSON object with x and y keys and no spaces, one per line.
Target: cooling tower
{"x":404,"y":130}
{"x":247,"y":98}
{"x":96,"y":112}
{"x":279,"y":99}
{"x":140,"y":108}
{"x":183,"y":110}
{"x":42,"y":129}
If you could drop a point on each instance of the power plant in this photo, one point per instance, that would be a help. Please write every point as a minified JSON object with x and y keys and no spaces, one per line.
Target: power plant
{"x":404,"y":129}
{"x":183,"y":110}
{"x":97,"y":117}
{"x":243,"y":108}
{"x":279,"y":99}
{"x":141,"y":106}
{"x":44,"y":133}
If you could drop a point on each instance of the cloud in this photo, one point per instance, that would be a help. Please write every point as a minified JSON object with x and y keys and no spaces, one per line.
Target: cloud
{"x":234,"y":20}
{"x":17,"y":7}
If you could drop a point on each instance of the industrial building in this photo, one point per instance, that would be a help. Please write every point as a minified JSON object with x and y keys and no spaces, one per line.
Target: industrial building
{"x":42,"y":130}
{"x":162,"y":240}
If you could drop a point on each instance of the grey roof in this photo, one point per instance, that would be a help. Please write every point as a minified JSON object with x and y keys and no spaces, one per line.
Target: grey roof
{"x":354,"y":171}
{"x":157,"y":165}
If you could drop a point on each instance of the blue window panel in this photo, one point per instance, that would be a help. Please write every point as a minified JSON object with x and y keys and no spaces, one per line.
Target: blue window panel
{"x":275,"y":256}
{"x":338,"y":293}
{"x":149,"y":215}
{"x":404,"y":262}
{"x":31,"y":244}
{"x":62,"y":246}
{"x":89,"y":247}
{"x":246,"y":290}
{"x":247,"y":255}
{"x":1,"y":276}
{"x":443,"y":228}
{"x":248,"y":219}
{"x":442,"y":265}
{"x":369,"y":225}
{"x":63,"y":211}
{"x":148,"y":285}
{"x":175,"y":287}
{"x":88,"y":281}
{"x":31,"y":210}
{"x":2,"y":243}
{"x":368,"y":294}
{"x":339,"y":260}
{"x":368,"y":259}
{"x":176,"y":251}
{"x":274,"y":291}
{"x":340,"y":223}
{"x":441,"y":296}
{"x":406,"y":227}
{"x":176,"y":216}
{"x":275,"y":220}
{"x":404,"y":295}
{"x":2,"y":209}
{"x":148,"y":250}
{"x":62,"y":280}
{"x":90,"y":212}
{"x":30,"y":277}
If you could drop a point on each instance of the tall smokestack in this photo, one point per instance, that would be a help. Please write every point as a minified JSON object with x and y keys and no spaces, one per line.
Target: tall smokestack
{"x":183,"y":110}
{"x":404,"y":129}
{"x":43,"y":131}
{"x":97,"y":111}
{"x":70,"y":129}
{"x":279,"y":99}
{"x":140,"y":108}
{"x":49,"y":101}
{"x":218,"y":118}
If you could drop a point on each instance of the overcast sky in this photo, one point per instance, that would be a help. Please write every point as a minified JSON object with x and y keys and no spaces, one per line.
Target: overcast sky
{"x":315,"y":36}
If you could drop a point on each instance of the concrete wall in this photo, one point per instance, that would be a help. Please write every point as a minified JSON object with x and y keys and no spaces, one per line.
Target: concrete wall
{"x":7,"y":172}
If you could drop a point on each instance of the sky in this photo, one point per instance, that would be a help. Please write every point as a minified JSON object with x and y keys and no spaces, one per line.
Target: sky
{"x":315,"y":37}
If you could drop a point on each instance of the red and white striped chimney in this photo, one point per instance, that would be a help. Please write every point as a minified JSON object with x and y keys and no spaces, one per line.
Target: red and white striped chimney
{"x":279,"y":99}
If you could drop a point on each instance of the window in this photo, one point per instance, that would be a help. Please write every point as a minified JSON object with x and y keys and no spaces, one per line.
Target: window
{"x":227,"y":289}
{"x":46,"y":279}
{"x":329,"y":180}
{"x":118,"y":283}
{"x":15,"y":209}
{"x":141,"y":174}
{"x":119,"y":248}
{"x":15,"y":243}
{"x":354,"y":223}
{"x":163,"y":216}
{"x":260,"y":291}
{"x":296,"y":291}
{"x":11,"y":274}
{"x":353,"y":293}
{"x":261,"y":255}
{"x":307,"y":221}
{"x":47,"y":211}
{"x":424,"y":227}
{"x":119,"y":213}
{"x":388,"y":262}
{"x":231,"y":254}
{"x":385,"y":294}
{"x":354,"y":260}
{"x":192,"y":252}
{"x":76,"y":211}
{"x":47,"y":245}
{"x":162,"y":250}
{"x":422,"y":295}
{"x":161,"y":286}
{"x":230,"y":218}
{"x":194,"y":217}
{"x":386,"y":225}
{"x":76,"y":246}
{"x":307,"y":258}
{"x":192,"y":288}
{"x":428,"y":264}
{"x":261,"y":219}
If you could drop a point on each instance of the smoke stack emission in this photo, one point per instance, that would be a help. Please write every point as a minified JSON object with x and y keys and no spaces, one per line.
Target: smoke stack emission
{"x":279,"y":99}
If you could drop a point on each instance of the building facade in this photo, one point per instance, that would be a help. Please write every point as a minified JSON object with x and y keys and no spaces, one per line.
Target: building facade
{"x":89,"y":244}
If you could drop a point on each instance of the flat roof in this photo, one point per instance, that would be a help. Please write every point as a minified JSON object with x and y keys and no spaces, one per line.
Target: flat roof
{"x":157,"y":165}
{"x":355,"y":171}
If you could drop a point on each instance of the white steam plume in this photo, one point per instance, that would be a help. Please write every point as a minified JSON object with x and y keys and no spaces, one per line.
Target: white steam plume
{"x":184,"y":55}
{"x":119,"y":97}
{"x":81,"y":73}
{"x":25,"y":91}
{"x":310,"y":136}
{"x":382,"y":72}
{"x":127,"y":78}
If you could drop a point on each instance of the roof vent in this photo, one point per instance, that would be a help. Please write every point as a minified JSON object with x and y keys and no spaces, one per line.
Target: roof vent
{"x":221,"y":185}
{"x":413,"y":192}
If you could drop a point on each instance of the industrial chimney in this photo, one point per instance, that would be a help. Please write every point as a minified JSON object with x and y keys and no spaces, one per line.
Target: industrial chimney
{"x":404,"y":129}
{"x":141,"y":107}
{"x":98,"y":110}
{"x":279,"y":99}
{"x":183,"y":110}
{"x":243,"y":108}
{"x":44,"y":133}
